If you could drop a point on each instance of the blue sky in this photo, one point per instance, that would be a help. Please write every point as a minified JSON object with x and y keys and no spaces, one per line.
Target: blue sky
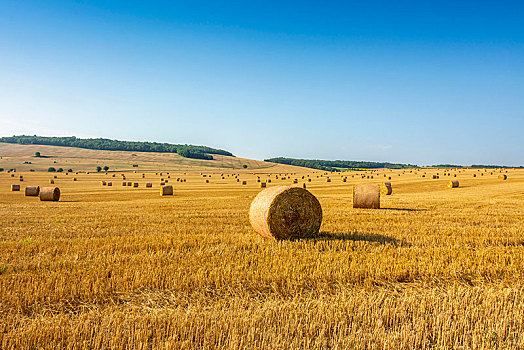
{"x":401,"y":81}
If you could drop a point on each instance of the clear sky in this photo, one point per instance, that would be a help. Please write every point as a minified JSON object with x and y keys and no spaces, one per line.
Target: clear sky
{"x":422,"y":82}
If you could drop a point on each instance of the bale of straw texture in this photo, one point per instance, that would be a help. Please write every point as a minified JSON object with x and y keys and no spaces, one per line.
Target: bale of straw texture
{"x":285,"y":212}
{"x":503,"y":176}
{"x":32,"y":191}
{"x":262,"y":185}
{"x":50,"y":194}
{"x":51,"y":181}
{"x":453,"y":184}
{"x":388,"y":190}
{"x":149,"y":184}
{"x":366,"y":196}
{"x":166,"y":190}
{"x":15,"y":188}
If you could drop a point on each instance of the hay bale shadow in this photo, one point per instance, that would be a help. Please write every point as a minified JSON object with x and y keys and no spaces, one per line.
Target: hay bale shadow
{"x":357,"y":236}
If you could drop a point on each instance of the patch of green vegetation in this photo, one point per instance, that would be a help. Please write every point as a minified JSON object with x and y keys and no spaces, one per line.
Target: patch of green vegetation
{"x":337,"y":165}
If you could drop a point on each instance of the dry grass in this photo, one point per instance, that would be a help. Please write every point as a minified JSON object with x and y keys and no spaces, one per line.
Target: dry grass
{"x":111,"y":267}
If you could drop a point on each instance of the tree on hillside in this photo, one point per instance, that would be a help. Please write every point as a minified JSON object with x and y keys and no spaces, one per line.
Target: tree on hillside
{"x":60,"y":170}
{"x":106,"y":168}
{"x":51,"y":169}
{"x":99,"y":168}
{"x":69,"y":170}
{"x":244,"y":166}
{"x":37,"y":154}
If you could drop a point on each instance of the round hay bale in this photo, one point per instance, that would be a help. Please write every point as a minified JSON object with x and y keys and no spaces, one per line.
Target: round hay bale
{"x":74,"y":179}
{"x":285,"y":212}
{"x":32,"y":191}
{"x":51,"y":181}
{"x":244,"y":182}
{"x":135,"y":184}
{"x":262,"y":185}
{"x":166,"y":190}
{"x":55,"y":177}
{"x":50,"y":194}
{"x":109,"y":184}
{"x":304,"y":185}
{"x":162,"y":183}
{"x":434,"y":176}
{"x":103,"y":183}
{"x":388,"y":190}
{"x":503,"y":176}
{"x":453,"y":184}
{"x":328,"y":180}
{"x":129,"y":184}
{"x":124,"y":183}
{"x":15,"y":188}
{"x":366,"y":196}
{"x":149,"y":184}
{"x":474,"y":175}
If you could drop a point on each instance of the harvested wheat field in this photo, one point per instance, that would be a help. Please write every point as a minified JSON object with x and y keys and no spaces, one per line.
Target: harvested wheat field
{"x":123,"y":267}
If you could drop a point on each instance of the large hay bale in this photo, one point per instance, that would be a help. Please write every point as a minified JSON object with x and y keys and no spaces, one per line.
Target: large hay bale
{"x":503,"y":176}
{"x":50,"y":194}
{"x":453,"y":184}
{"x":285,"y":212}
{"x":166,"y":190}
{"x":149,"y":184}
{"x":366,"y":196}
{"x":388,"y":190}
{"x":15,"y":188}
{"x":32,"y":191}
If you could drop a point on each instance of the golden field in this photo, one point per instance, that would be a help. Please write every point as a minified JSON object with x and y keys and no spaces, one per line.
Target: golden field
{"x":119,"y":267}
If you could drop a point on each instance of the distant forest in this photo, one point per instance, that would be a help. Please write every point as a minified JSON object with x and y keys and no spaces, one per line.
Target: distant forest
{"x":337,"y":165}
{"x":188,"y":151}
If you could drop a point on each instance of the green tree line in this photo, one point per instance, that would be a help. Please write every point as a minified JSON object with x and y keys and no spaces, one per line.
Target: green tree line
{"x":337,"y":165}
{"x":188,"y":151}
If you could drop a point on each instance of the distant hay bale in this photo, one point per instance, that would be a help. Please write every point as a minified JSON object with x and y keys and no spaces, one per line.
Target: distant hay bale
{"x":166,"y":190}
{"x":389,"y":177}
{"x":103,"y":183}
{"x":387,"y":188}
{"x":262,"y":185}
{"x":124,"y":183}
{"x":434,"y":176}
{"x":15,"y":188}
{"x":453,"y":184}
{"x":55,"y":177}
{"x":285,"y":212}
{"x":474,"y":175}
{"x":295,"y":181}
{"x":244,"y":182}
{"x":50,"y":194}
{"x":32,"y":191}
{"x":162,"y":183}
{"x":366,"y":196}
{"x":51,"y":181}
{"x":304,"y":185}
{"x":129,"y":184}
{"x":149,"y":184}
{"x":74,"y":179}
{"x":268,"y":180}
{"x":503,"y":176}
{"x":454,"y":175}
{"x":135,"y":184}
{"x":207,"y":181}
{"x":109,"y":184}
{"x":113,"y":175}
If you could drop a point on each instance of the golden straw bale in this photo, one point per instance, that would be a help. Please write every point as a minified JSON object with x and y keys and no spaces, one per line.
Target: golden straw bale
{"x":50,"y":194}
{"x":15,"y":188}
{"x":51,"y":181}
{"x":166,"y":190}
{"x":109,"y":184}
{"x":244,"y":182}
{"x":149,"y":184}
{"x":103,"y":183}
{"x":135,"y":184}
{"x":124,"y":183}
{"x":453,"y":184}
{"x":74,"y":179}
{"x":387,"y":188}
{"x":33,"y":191}
{"x":503,"y":176}
{"x":129,"y":184}
{"x":285,"y":212}
{"x":366,"y":196}
{"x":262,"y":185}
